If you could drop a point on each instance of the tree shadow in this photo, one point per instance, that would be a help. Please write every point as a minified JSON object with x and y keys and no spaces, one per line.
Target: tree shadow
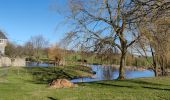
{"x":155,"y":88}
{"x":101,"y":84}
{"x":114,"y":85}
{"x":46,"y":75}
{"x":140,"y":82}
{"x":51,"y":98}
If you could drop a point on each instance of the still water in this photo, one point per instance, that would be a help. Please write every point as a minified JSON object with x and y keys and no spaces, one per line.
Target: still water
{"x":110,"y":73}
{"x":34,"y":64}
{"x":103,"y":73}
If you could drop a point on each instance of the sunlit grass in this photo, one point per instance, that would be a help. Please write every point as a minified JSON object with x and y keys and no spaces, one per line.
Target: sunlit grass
{"x":22,"y":86}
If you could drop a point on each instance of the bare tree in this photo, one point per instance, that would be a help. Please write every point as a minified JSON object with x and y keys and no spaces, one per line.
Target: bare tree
{"x":39,"y":43}
{"x":105,"y":24}
{"x":155,"y":27}
{"x":110,"y":23}
{"x":156,"y":32}
{"x":28,"y":49}
{"x":161,"y":43}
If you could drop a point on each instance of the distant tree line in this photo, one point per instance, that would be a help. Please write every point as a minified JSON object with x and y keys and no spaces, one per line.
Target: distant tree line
{"x":38,"y":50}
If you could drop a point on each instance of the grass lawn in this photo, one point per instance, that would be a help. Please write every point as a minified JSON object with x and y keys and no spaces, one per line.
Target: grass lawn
{"x":29,"y":84}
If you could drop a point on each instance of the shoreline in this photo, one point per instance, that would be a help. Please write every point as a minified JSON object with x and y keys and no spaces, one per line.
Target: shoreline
{"x":133,"y":68}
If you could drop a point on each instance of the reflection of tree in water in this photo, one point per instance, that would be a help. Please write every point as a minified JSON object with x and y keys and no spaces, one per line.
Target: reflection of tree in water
{"x":108,"y":72}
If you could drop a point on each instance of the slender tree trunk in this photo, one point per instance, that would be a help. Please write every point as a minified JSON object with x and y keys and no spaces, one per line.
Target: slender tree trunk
{"x":162,"y":70}
{"x":154,"y":63}
{"x":162,"y":66}
{"x":155,"y":71}
{"x":122,"y":65}
{"x":155,"y":68}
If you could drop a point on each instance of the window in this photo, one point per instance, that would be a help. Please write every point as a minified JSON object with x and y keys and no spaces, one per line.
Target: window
{"x":1,"y":41}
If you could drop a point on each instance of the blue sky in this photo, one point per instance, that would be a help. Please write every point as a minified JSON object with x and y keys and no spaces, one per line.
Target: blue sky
{"x":21,"y":19}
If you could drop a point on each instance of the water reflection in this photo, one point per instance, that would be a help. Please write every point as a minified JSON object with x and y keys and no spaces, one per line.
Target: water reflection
{"x":34,"y":64}
{"x":102,"y":73}
{"x":110,"y":73}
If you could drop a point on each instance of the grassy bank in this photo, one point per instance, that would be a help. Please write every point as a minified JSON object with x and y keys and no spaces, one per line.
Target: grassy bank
{"x":46,"y":74}
{"x":24,"y":85}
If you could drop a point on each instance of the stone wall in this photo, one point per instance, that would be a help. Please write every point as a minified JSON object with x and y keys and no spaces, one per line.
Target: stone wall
{"x":19,"y":62}
{"x":5,"y":61}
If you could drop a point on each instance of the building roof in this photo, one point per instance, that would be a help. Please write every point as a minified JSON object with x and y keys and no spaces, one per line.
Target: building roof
{"x":2,"y":35}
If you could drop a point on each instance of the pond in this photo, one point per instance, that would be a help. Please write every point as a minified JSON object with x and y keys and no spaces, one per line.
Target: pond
{"x":110,"y":73}
{"x":34,"y":64}
{"x":102,"y":73}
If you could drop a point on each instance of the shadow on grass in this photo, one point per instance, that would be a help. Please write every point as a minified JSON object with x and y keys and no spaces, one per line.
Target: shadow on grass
{"x":140,"y":82}
{"x":51,"y":98}
{"x":155,"y":88}
{"x":131,"y":84}
{"x":110,"y":84}
{"x":46,"y":75}
{"x":113,"y":85}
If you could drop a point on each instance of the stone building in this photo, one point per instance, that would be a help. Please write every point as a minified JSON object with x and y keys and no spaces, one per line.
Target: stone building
{"x":6,"y":61}
{"x":3,"y":42}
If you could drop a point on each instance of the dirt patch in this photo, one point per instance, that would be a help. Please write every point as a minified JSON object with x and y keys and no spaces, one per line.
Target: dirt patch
{"x":62,"y":83}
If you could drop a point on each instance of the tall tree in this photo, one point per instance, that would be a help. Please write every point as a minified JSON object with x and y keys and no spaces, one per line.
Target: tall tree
{"x":157,"y":35}
{"x":105,"y":24}
{"x":155,"y":29}
{"x":110,"y":23}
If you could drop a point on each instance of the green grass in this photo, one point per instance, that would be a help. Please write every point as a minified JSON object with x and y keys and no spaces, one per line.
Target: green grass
{"x":23,"y":86}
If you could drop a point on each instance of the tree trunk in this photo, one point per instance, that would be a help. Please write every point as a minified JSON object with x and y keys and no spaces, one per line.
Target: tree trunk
{"x":155,"y":71}
{"x":162,"y":67}
{"x":154,"y":63}
{"x":162,"y":71}
{"x":122,"y":65}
